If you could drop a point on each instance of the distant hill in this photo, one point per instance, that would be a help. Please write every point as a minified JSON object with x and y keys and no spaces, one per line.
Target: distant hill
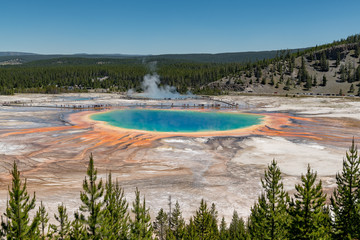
{"x":32,"y":57}
{"x":223,"y":57}
{"x":4,"y":54}
{"x":235,"y":57}
{"x":330,"y":69}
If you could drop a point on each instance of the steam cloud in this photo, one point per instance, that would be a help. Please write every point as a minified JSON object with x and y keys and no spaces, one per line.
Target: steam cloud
{"x":151,"y":89}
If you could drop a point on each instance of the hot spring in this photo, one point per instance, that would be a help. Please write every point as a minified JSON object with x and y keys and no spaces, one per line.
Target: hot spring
{"x":177,"y":121}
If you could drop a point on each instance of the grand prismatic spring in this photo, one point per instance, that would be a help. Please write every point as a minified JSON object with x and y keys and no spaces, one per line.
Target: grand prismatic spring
{"x":177,"y":121}
{"x":51,"y":139}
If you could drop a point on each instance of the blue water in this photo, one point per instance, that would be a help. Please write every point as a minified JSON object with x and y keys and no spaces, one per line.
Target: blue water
{"x":76,"y":98}
{"x":177,"y":121}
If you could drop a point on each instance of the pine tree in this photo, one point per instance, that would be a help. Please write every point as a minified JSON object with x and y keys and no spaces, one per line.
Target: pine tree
{"x":214,"y":224}
{"x":272,"y":81}
{"x":357,"y":74}
{"x":141,"y":226}
{"x":324,"y":63}
{"x":237,"y":227}
{"x":3,"y":228}
{"x":263,"y":81}
{"x":287,"y":85}
{"x":346,"y":197}
{"x":352,"y":89}
{"x":43,"y":219}
{"x":78,"y":230}
{"x":308,"y":84}
{"x":257,"y":224}
{"x":303,"y":75}
{"x":268,"y":219}
{"x":203,"y":221}
{"x":324,"y":81}
{"x":191,"y":232}
{"x":309,"y":216}
{"x":314,"y":84}
{"x":338,"y":59}
{"x":170,"y":213}
{"x":357,"y":51}
{"x":177,"y":226}
{"x":115,"y":214}
{"x":91,"y":200}
{"x":61,"y":232}
{"x":224,"y":232}
{"x":18,"y":208}
{"x":161,"y":225}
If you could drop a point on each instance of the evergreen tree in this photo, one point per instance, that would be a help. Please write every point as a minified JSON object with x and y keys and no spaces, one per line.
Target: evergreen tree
{"x":3,"y":228}
{"x":308,"y":84}
{"x":257,"y":223}
{"x":214,"y":224}
{"x":224,"y":232}
{"x":303,"y":75}
{"x":314,"y":84}
{"x":309,"y":216}
{"x":272,"y":81}
{"x":342,"y":72}
{"x":78,"y":230}
{"x":291,"y":65}
{"x":268,"y":219}
{"x":91,"y":200}
{"x":43,"y":219}
{"x":324,"y":81}
{"x":357,"y":74}
{"x":263,"y":81}
{"x":324,"y":63}
{"x":357,"y":51}
{"x":352,"y":89}
{"x":203,"y":222}
{"x":170,"y":211}
{"x":17,"y":212}
{"x":161,"y":225}
{"x":237,"y":227}
{"x":61,"y":232}
{"x":177,"y":225}
{"x":346,"y":197}
{"x":141,"y":225}
{"x":191,"y":232}
{"x":287,"y":85}
{"x":338,"y":59}
{"x":115,"y":215}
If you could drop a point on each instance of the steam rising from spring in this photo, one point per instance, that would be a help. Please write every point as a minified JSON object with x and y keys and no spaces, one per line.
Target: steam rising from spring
{"x":151,"y":87}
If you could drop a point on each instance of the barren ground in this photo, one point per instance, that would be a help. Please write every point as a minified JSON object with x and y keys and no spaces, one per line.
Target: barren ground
{"x":53,"y":154}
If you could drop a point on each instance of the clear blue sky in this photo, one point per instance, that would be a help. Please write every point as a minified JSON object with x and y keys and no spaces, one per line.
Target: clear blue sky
{"x":173,"y":26}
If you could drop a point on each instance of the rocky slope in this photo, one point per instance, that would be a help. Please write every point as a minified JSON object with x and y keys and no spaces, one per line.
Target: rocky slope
{"x":332,"y":69}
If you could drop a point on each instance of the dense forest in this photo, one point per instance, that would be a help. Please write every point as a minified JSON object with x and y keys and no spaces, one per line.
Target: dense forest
{"x":114,"y":77}
{"x":104,"y":212}
{"x":327,"y":69}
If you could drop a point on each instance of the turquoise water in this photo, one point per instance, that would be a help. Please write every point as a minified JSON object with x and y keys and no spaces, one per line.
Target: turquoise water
{"x":78,"y":98}
{"x":177,"y":121}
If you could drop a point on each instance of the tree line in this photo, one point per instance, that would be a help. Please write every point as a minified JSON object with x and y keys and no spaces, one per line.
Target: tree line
{"x":104,"y":212}
{"x":60,"y":78}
